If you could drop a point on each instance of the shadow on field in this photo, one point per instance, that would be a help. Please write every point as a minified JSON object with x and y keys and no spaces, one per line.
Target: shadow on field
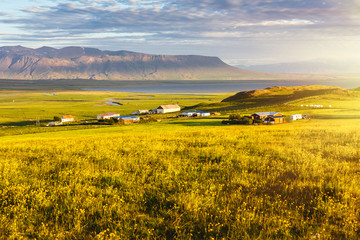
{"x":20,"y":124}
{"x":196,"y":123}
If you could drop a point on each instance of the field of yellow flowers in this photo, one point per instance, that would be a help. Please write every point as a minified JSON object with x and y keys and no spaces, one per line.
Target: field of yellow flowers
{"x":185,"y":179}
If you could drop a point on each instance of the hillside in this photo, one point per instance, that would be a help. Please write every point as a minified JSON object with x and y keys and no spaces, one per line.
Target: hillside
{"x":285,"y":92}
{"x":269,"y":96}
{"x":180,"y":178}
{"x":89,"y":63}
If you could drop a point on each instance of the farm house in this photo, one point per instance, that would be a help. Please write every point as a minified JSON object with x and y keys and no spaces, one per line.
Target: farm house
{"x":168,"y":109}
{"x":263,"y":115}
{"x":135,"y":119}
{"x":67,"y":118}
{"x":196,"y":113}
{"x":295,"y":117}
{"x":126,"y":120}
{"x":107,"y":115}
{"x":274,"y":119}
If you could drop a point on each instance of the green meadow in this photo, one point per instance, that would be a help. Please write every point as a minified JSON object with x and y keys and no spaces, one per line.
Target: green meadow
{"x":178,"y":178}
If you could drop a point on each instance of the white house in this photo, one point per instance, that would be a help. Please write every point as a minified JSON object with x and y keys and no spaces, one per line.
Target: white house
{"x":168,"y":108}
{"x":295,"y":117}
{"x":107,"y":115}
{"x":67,"y":118}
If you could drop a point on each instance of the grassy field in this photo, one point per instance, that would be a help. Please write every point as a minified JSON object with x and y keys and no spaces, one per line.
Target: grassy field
{"x":178,"y":178}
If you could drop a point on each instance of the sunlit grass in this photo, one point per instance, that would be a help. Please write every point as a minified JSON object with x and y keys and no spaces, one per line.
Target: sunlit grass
{"x":184,"y":178}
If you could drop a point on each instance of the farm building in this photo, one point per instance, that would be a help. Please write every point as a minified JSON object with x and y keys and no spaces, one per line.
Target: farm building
{"x":195,"y":114}
{"x":295,"y":117}
{"x":140,"y":112}
{"x":107,"y":115}
{"x":135,"y":119}
{"x":67,"y":118}
{"x":263,"y":115}
{"x":168,"y":108}
{"x":274,"y":119}
{"x":126,"y":120}
{"x":153,"y":111}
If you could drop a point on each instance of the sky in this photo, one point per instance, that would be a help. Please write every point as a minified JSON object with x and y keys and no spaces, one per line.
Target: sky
{"x":240,"y":32}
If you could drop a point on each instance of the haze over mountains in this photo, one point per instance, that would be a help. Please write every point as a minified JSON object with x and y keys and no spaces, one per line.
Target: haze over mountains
{"x":17,"y":62}
{"x":309,"y":67}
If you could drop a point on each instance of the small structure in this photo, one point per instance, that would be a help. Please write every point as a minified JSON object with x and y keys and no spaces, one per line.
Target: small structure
{"x":135,"y":119}
{"x":168,"y":109}
{"x":67,"y":118}
{"x":153,"y":111}
{"x":274,"y":119}
{"x":107,"y":115}
{"x":195,"y":113}
{"x":307,"y":117}
{"x":140,"y":112}
{"x":295,"y":117}
{"x":126,"y":120}
{"x":263,"y":115}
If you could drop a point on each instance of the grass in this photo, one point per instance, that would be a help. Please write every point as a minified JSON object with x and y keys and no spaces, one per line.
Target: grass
{"x":181,"y":178}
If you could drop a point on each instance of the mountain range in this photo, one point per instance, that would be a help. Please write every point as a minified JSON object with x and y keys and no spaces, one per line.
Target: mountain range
{"x":17,"y":62}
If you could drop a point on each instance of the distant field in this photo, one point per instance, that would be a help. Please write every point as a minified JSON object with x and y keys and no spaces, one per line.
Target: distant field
{"x":178,"y":178}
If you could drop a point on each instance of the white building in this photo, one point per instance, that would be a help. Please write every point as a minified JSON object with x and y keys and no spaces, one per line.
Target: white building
{"x":107,"y":115}
{"x":67,"y":118}
{"x":168,"y":108}
{"x":127,"y":117}
{"x":295,"y":117}
{"x":195,"y":114}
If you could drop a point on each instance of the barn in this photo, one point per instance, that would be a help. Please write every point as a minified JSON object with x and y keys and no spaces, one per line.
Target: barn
{"x":168,"y":108}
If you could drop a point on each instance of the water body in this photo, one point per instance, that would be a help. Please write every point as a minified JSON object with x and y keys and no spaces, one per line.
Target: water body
{"x":113,"y":103}
{"x":223,"y":87}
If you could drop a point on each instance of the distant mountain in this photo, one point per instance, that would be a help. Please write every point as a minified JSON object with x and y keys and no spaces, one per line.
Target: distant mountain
{"x":17,"y":62}
{"x":309,"y":67}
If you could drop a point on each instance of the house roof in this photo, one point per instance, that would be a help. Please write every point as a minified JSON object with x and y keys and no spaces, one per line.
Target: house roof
{"x":127,"y":118}
{"x":67,"y":116}
{"x":169,"y":106}
{"x":266,"y":113}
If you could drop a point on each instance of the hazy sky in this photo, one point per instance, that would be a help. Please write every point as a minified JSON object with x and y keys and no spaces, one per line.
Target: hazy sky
{"x":237,"y":31}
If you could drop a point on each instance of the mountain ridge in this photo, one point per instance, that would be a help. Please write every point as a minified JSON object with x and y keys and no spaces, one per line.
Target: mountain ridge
{"x":17,"y":62}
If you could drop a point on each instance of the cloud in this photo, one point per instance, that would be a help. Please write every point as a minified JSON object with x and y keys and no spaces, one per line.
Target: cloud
{"x":156,"y":16}
{"x":203,"y":23}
